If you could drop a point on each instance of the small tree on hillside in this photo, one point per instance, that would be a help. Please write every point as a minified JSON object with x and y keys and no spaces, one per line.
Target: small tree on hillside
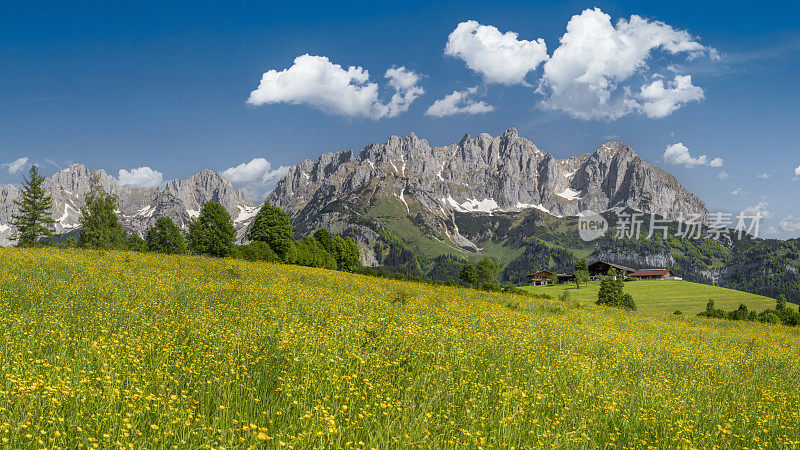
{"x":212,"y":232}
{"x":581,"y":272}
{"x":272,"y":226}
{"x":486,"y":270}
{"x":610,"y":293}
{"x":325,"y":239}
{"x":165,"y":237}
{"x":135,"y":243}
{"x":35,"y":218}
{"x":780,"y":304}
{"x":348,"y":257}
{"x":468,"y":274}
{"x":100,"y":228}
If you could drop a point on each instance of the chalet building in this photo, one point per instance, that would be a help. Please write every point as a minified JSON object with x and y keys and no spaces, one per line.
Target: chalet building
{"x":541,"y":278}
{"x":601,"y":268}
{"x":564,"y":278}
{"x":597,"y":270}
{"x":652,"y":274}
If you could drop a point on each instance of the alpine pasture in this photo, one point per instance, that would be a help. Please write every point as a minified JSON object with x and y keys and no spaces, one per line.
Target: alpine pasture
{"x":117,"y":349}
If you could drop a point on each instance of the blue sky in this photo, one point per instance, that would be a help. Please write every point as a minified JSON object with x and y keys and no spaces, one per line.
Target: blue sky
{"x":124,"y":85}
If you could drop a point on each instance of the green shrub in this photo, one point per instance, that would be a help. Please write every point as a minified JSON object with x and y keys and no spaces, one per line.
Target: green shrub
{"x":135,"y":243}
{"x":309,"y":252}
{"x":491,"y":286}
{"x":256,"y":251}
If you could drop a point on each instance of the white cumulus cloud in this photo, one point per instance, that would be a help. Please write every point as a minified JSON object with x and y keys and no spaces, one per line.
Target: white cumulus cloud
{"x":723,"y":175}
{"x":660,"y":100}
{"x":679,"y":155}
{"x":15,"y":166}
{"x":764,"y":175}
{"x":797,"y":171}
{"x":256,"y":176}
{"x":499,"y":57}
{"x":316,"y":81}
{"x":790,"y":223}
{"x":738,"y":191}
{"x":761,"y":209}
{"x":459,"y":102}
{"x":142,"y":176}
{"x":589,"y":75}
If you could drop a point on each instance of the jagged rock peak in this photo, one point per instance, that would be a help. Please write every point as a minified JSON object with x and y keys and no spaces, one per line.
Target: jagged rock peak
{"x":487,"y":173}
{"x":139,"y":207}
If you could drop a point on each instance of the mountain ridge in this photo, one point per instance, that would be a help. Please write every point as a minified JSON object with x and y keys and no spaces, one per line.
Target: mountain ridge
{"x":482,"y":175}
{"x":139,"y":207}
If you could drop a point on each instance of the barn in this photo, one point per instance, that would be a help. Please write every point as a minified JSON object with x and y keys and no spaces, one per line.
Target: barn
{"x":652,"y":274}
{"x":601,"y":268}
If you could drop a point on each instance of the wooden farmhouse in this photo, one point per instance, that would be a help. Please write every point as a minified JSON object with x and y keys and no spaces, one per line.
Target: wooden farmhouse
{"x":652,"y":274}
{"x":601,"y":268}
{"x":540,"y":278}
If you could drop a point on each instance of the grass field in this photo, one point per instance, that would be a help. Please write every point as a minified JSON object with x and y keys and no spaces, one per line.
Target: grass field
{"x":107,"y":349}
{"x":666,"y":296}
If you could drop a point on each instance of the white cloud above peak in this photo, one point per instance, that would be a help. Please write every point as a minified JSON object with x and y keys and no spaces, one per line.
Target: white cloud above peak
{"x":797,"y":171}
{"x":590,"y":74}
{"x":15,"y":166}
{"x":660,"y":100}
{"x":142,"y":176}
{"x":316,"y":81}
{"x":459,"y":102}
{"x":256,"y":176}
{"x":679,"y":155}
{"x":499,"y":57}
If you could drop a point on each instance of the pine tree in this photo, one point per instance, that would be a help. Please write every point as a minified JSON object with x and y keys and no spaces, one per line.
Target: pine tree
{"x":100,"y":228}
{"x":212,"y":233}
{"x":35,"y":218}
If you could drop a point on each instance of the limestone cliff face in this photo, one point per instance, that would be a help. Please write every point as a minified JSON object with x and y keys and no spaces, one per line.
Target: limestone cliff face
{"x":139,"y":207}
{"x":481,"y":175}
{"x":487,"y":174}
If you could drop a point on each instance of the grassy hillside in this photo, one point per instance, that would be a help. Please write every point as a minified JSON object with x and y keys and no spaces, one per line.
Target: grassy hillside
{"x":119,"y":349}
{"x":666,"y":296}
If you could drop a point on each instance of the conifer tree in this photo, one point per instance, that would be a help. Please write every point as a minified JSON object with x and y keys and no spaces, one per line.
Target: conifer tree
{"x":35,"y":218}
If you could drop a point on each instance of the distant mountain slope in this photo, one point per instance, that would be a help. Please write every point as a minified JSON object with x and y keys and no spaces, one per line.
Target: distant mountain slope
{"x":138,"y":207}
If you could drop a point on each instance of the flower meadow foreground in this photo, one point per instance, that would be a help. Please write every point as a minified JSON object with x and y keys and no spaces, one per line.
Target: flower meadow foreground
{"x":112,"y":349}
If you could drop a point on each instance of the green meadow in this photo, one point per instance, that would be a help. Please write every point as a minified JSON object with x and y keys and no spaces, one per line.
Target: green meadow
{"x":665,"y":296}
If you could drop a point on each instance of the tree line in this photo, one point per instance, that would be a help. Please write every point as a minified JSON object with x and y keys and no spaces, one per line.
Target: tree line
{"x":211,"y":233}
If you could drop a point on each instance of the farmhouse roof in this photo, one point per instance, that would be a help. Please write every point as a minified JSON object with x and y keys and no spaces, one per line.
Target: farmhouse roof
{"x":650,"y":273}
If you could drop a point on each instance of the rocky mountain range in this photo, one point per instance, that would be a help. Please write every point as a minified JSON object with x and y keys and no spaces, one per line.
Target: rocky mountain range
{"x":139,"y":207}
{"x":428,"y":185}
{"x":481,"y":175}
{"x":419,"y":209}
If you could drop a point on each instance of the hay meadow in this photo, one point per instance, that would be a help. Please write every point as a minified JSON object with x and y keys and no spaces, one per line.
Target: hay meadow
{"x":127,"y":350}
